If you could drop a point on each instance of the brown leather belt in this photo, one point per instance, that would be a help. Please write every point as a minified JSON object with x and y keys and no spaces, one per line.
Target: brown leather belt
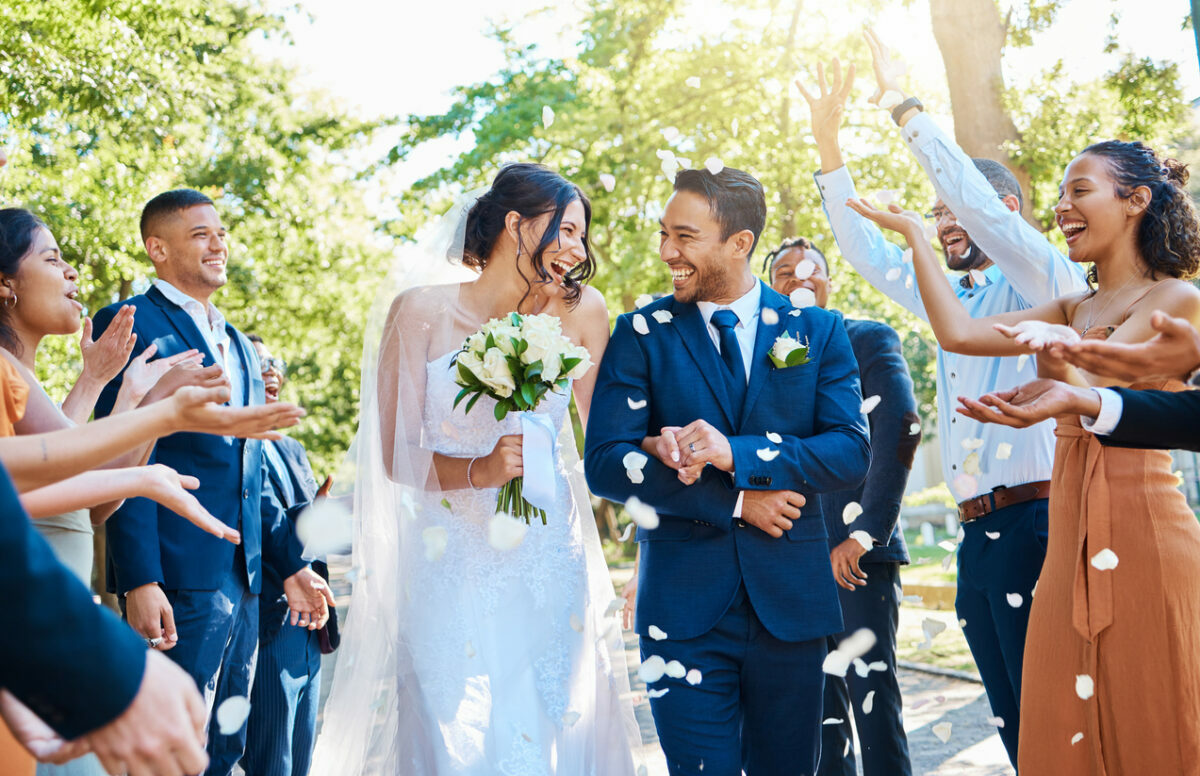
{"x":999,"y":498}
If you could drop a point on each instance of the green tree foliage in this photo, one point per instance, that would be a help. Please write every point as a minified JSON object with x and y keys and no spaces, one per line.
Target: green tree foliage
{"x":107,"y":103}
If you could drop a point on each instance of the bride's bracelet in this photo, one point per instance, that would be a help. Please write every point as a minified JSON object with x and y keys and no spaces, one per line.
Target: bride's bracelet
{"x":472,"y":463}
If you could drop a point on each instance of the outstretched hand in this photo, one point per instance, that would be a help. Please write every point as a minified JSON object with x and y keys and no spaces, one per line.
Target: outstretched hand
{"x":202,"y":410}
{"x":1172,"y":353}
{"x":1031,"y":403}
{"x":887,"y":73}
{"x":168,"y":487}
{"x":103,"y":359}
{"x":1038,"y":335}
{"x":829,"y":104}
{"x":906,"y":223}
{"x":142,"y":373}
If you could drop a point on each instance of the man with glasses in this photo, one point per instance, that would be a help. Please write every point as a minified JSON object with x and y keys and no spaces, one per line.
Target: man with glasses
{"x":287,"y":682}
{"x":999,"y":475}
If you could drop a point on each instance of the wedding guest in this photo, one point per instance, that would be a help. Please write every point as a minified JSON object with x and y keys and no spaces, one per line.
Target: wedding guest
{"x":287,"y":682}
{"x":869,"y":579}
{"x":1084,"y":710}
{"x":182,"y":590}
{"x":1009,"y":265}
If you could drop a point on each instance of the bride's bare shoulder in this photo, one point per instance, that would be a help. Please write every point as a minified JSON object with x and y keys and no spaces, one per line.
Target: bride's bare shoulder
{"x":426,"y":300}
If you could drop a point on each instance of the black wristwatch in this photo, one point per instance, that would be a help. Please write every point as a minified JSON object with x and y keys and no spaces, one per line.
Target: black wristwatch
{"x":902,"y":108}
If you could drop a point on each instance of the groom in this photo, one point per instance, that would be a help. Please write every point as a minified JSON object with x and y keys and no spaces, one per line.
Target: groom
{"x":737,"y":573}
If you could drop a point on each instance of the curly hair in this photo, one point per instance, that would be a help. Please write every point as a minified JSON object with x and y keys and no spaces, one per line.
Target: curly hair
{"x":17,"y":229}
{"x":1168,"y":236}
{"x":531,"y":190}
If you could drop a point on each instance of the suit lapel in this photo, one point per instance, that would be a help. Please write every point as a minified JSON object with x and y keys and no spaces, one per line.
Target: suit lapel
{"x":689,"y":323}
{"x":182,"y":322}
{"x":247,"y":377}
{"x":760,"y":363}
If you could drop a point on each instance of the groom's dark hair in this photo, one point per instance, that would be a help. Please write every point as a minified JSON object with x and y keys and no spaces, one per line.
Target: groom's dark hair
{"x":736,"y":199}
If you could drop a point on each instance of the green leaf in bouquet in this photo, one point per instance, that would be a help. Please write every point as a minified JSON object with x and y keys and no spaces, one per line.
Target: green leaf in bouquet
{"x":501,"y":409}
{"x":798,"y":356}
{"x":474,"y":399}
{"x":533,"y":371}
{"x":446,"y":504}
{"x":570,"y":363}
{"x":528,"y":395}
{"x":466,"y":377}
{"x":519,"y":400}
{"x":561,"y":383}
{"x":540,"y":390}
{"x":461,"y":395}
{"x":491,"y":341}
{"x":515,"y":320}
{"x":519,"y":346}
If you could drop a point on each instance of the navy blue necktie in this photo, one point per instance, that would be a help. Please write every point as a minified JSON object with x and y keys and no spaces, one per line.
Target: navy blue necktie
{"x":725,"y":322}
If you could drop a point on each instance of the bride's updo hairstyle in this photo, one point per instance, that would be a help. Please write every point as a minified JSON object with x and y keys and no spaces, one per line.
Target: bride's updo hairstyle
{"x":17,"y":230}
{"x":531,"y":190}
{"x":1169,"y":235}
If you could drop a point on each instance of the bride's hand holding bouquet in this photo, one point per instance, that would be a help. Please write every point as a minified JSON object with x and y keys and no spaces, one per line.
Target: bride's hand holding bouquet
{"x":516,"y":361}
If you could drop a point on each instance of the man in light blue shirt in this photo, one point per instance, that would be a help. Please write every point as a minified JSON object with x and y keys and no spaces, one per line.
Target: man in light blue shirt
{"x":999,"y":475}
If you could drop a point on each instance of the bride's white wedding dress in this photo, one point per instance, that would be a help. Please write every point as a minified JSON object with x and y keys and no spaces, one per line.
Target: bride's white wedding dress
{"x":505,"y":647}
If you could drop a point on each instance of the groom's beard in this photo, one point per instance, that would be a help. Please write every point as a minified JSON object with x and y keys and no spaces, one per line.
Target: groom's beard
{"x":709,"y":283}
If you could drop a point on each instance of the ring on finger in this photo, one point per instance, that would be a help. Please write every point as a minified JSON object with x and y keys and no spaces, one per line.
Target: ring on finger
{"x":692,"y":446}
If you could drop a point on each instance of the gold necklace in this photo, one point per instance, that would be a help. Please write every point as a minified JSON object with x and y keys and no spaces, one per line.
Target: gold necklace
{"x":1092,"y":317}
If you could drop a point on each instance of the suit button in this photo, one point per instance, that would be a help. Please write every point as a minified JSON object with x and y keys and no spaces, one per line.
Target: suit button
{"x":245,"y":494}
{"x":741,"y":524}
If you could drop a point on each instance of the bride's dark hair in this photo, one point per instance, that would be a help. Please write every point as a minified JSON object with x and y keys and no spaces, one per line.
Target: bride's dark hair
{"x":531,"y":190}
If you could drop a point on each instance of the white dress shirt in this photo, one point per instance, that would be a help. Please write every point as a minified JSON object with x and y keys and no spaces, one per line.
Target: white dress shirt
{"x":1111,"y":407}
{"x":747,"y":310}
{"x":211,"y":324}
{"x":1026,"y":272}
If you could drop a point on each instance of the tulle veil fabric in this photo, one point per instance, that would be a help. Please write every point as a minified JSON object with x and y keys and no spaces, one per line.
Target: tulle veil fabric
{"x":373,"y":721}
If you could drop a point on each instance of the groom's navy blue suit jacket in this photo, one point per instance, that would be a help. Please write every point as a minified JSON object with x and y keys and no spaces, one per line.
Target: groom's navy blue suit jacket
{"x":147,"y":542}
{"x":693,"y":563}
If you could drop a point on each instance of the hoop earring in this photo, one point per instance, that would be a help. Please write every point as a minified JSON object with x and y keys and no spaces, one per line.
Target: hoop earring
{"x":11,"y":301}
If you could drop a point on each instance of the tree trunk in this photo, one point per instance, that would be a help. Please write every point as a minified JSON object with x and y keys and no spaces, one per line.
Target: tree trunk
{"x":971,"y":36}
{"x":787,"y":203}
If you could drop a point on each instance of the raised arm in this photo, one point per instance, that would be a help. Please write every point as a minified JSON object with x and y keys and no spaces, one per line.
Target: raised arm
{"x":103,"y":359}
{"x":860,"y":241}
{"x":955,"y":329}
{"x":1036,"y":269}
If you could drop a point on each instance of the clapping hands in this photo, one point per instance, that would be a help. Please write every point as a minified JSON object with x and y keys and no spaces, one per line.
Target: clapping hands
{"x":688,"y":449}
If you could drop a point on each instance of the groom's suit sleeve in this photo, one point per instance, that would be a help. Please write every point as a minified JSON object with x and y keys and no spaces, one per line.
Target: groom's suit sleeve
{"x":614,"y":431}
{"x":1157,"y":419}
{"x":837,"y":455}
{"x":133,"y":529}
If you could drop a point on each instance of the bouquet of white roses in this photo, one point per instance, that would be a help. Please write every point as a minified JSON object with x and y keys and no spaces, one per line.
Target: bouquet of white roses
{"x":517,"y":360}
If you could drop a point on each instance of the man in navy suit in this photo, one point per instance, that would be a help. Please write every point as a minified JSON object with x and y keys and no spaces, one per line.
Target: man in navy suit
{"x":869,"y":577}
{"x":287,"y":683}
{"x":736,"y":587}
{"x":181,"y":589}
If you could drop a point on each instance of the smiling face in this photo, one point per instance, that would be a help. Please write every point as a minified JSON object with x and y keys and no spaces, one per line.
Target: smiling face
{"x":272,"y":374}
{"x":44,"y":290}
{"x":563,"y":254}
{"x":961,"y":252}
{"x":704,"y":267}
{"x":1090,"y":213}
{"x":812,"y":274}
{"x":189,"y":251}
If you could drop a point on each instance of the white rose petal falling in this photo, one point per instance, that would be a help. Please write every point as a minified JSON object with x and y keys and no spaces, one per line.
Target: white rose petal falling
{"x":1084,"y":686}
{"x":714,"y":165}
{"x":641,"y":513}
{"x":675,"y":670}
{"x":506,"y":532}
{"x":1003,"y":451}
{"x":1105,"y":560}
{"x":636,"y":405}
{"x":1015,"y":600}
{"x":1075,"y":739}
{"x":652,"y":694}
{"x":773,"y":437}
{"x":694,"y":677}
{"x":870,"y":403}
{"x":890,"y":99}
{"x":767,"y":454}
{"x":608,"y":181}
{"x":656,"y":633}
{"x":643,"y":300}
{"x":652,"y":669}
{"x":996,"y":721}
{"x":547,"y":116}
{"x":838,"y":661}
{"x":662,"y":316}
{"x":892,"y":275}
{"x":804,"y":269}
{"x":769,"y":316}
{"x":851,"y":512}
{"x":693,"y":81}
{"x":942,"y":731}
{"x":232,"y":713}
{"x":640,"y":325}
{"x":868,"y":704}
{"x":992,"y":534}
{"x":802,"y":297}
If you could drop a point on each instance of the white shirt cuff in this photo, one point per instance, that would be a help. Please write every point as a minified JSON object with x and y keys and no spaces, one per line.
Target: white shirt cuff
{"x":1110,"y":413}
{"x":737,"y":508}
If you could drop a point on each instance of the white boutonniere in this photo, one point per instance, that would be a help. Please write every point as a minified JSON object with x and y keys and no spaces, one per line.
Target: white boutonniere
{"x":788,"y":351}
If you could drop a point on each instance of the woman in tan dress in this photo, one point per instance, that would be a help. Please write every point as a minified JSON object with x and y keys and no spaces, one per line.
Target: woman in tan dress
{"x":1112,"y":657}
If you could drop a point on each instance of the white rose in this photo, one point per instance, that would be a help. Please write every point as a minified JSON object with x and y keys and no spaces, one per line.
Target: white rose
{"x":502,"y":331}
{"x":496,"y":375}
{"x":471,"y":361}
{"x":476,"y":342}
{"x":541,"y":322}
{"x":547,"y":347}
{"x":580,"y":369}
{"x":783,"y":347}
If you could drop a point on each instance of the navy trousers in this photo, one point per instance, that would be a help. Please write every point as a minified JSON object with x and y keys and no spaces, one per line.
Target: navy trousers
{"x":881,"y":737}
{"x":283,"y":706}
{"x":989,"y":571}
{"x":218,"y":642}
{"x":757,"y":704}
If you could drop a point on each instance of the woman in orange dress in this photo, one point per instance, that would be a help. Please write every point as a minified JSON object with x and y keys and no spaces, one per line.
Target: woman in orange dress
{"x":1112,"y":656}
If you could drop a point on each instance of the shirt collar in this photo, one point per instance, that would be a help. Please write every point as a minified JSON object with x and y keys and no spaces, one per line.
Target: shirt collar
{"x":745,"y":307}
{"x":174,"y":295}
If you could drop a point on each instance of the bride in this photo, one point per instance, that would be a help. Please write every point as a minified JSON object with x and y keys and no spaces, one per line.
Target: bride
{"x":460,"y":658}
